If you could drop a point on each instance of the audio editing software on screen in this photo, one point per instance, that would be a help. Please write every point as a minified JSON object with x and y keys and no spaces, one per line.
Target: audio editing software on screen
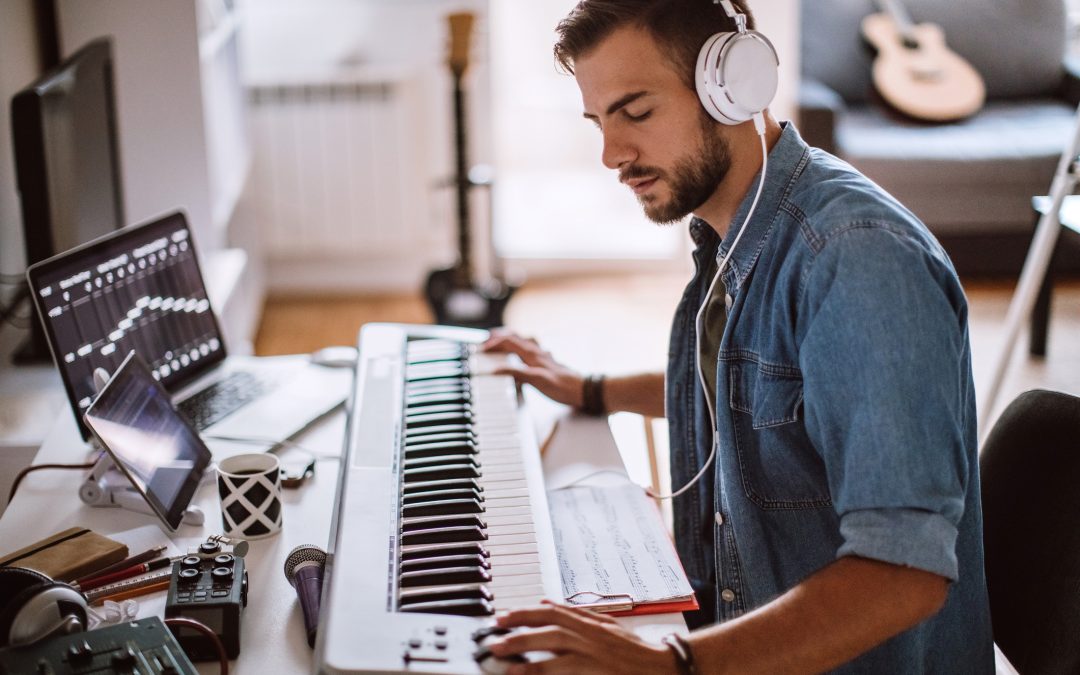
{"x":144,"y":293}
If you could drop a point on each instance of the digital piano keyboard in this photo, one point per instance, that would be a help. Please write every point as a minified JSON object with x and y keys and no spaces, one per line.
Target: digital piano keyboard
{"x":441,"y":518}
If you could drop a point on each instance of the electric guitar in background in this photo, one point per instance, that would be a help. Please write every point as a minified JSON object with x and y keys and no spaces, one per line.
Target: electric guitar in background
{"x":915,"y":72}
{"x":453,"y":294}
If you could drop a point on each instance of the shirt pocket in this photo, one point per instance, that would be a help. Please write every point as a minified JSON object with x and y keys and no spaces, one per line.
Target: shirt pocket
{"x":779,"y":466}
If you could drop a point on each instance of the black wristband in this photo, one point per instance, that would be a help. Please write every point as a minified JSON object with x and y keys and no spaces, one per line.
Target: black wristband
{"x":684,"y":658}
{"x":592,"y":395}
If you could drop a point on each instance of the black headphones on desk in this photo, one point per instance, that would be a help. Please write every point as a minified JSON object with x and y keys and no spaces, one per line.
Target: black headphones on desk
{"x":33,"y":607}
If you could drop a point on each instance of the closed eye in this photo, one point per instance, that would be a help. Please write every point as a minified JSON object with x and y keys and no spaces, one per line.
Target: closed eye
{"x":638,"y":118}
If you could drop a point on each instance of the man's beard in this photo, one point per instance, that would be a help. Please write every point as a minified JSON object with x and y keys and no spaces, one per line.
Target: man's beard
{"x":691,"y":182}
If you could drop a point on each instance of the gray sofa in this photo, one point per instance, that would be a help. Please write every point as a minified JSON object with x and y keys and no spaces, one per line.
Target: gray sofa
{"x":972,"y":181}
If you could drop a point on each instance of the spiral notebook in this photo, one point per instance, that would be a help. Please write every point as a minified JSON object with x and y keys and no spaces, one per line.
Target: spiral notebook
{"x":614,"y":553}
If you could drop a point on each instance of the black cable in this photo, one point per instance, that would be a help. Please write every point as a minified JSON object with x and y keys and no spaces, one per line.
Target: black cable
{"x":22,"y":474}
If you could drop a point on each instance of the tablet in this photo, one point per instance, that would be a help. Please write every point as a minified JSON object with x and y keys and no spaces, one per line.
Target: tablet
{"x":159,"y":451}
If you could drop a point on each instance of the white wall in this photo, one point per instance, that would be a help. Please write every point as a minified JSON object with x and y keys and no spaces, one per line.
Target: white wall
{"x":19,"y":66}
{"x":405,"y":44}
{"x":159,"y":104}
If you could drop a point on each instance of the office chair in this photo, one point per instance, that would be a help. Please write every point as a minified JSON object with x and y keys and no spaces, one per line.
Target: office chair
{"x":1030,"y":465}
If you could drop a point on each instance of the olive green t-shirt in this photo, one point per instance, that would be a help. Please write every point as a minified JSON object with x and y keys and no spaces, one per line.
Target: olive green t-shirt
{"x":713,"y":323}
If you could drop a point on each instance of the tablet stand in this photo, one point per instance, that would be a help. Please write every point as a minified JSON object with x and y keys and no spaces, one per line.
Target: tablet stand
{"x":106,"y":486}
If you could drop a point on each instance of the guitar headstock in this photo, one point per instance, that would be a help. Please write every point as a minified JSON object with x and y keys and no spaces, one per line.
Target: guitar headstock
{"x":461,"y":25}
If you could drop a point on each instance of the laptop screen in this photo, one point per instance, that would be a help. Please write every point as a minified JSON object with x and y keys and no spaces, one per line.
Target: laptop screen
{"x":139,"y":289}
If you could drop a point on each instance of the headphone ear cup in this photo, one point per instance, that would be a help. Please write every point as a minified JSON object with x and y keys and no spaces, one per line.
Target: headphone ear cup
{"x":22,"y":588}
{"x":17,"y":584}
{"x":736,"y":76}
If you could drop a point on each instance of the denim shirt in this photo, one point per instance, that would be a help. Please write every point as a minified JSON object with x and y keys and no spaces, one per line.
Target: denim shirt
{"x":845,"y":410}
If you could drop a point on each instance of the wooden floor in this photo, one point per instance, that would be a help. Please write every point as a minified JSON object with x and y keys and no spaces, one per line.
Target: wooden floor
{"x":620,"y":324}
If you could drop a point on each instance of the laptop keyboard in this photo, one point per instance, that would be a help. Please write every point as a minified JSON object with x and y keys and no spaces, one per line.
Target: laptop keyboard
{"x":223,"y":397}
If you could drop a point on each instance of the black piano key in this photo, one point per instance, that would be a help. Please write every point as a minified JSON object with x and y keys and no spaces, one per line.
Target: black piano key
{"x":420,"y":433}
{"x":431,"y":522}
{"x":457,"y":385}
{"x":449,"y":575}
{"x":444,"y":507}
{"x":440,"y":460}
{"x":432,"y":419}
{"x":435,"y":374}
{"x":453,"y":607}
{"x":463,"y":435}
{"x":444,"y":561}
{"x":425,"y":486}
{"x":443,"y":535}
{"x":433,"y":473}
{"x":446,"y":397}
{"x":450,"y":592}
{"x":436,"y":550}
{"x":429,"y":496}
{"x":461,"y":408}
{"x":457,"y":447}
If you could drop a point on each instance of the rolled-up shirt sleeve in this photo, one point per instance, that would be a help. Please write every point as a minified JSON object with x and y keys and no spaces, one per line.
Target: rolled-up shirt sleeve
{"x":884,"y":354}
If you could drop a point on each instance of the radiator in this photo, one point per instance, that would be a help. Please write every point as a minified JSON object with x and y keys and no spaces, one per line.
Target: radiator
{"x":337,"y":171}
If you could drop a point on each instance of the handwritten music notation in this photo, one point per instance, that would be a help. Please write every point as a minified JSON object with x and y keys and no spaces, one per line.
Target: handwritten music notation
{"x":613,"y":548}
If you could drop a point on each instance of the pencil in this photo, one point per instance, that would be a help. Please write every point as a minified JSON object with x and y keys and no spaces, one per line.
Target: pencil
{"x":145,"y":556}
{"x":127,"y":573}
{"x":135,"y":592}
{"x":127,"y":584}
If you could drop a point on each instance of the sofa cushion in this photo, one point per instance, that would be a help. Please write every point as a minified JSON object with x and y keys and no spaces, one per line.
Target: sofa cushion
{"x":979,"y":174}
{"x":1016,"y":45}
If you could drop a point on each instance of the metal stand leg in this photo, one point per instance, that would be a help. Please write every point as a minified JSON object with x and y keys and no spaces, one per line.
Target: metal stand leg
{"x":1034,"y":272}
{"x":1040,"y":316}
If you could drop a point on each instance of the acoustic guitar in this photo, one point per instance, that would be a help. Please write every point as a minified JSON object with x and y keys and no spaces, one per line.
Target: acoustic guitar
{"x":915,"y":72}
{"x":452,"y":293}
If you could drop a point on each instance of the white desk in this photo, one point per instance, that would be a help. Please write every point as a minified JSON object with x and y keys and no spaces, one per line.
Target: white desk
{"x":272,"y":639}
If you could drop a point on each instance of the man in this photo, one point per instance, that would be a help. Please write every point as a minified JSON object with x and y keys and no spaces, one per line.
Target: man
{"x":840,"y":527}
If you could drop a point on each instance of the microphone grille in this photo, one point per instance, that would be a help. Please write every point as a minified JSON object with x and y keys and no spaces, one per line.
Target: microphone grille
{"x":302,"y":554}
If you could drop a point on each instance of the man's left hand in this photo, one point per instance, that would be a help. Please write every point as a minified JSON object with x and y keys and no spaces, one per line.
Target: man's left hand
{"x":581,"y":641}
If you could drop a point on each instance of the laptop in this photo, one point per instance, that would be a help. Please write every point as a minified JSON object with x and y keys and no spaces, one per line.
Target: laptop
{"x":141,"y":289}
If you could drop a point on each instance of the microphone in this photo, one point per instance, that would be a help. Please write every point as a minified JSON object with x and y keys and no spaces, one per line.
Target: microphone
{"x":304,"y":570}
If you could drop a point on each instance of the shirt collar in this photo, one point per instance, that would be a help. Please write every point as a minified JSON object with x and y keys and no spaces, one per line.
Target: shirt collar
{"x":785,"y":161}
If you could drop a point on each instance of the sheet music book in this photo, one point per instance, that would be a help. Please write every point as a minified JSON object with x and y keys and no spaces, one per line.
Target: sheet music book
{"x":614,"y":552}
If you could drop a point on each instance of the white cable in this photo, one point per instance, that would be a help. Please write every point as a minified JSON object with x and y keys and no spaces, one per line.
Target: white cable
{"x":759,"y":126}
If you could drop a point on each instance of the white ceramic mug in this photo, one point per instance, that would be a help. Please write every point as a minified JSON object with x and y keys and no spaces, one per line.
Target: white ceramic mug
{"x":250,"y":489}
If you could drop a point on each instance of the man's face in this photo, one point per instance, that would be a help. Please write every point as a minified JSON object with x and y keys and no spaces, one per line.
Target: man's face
{"x":656,"y":134}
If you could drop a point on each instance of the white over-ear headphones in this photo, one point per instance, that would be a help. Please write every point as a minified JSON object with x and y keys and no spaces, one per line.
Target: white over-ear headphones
{"x":736,"y":72}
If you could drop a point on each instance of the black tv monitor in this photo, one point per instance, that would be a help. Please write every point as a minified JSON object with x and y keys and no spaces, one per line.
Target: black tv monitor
{"x":67,"y":160}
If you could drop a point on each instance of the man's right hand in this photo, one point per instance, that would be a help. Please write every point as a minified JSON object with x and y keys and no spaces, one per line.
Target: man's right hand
{"x":539,"y":369}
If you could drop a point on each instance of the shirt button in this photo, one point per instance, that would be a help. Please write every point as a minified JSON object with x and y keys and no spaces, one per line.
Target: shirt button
{"x":719,"y":518}
{"x":727,"y":594}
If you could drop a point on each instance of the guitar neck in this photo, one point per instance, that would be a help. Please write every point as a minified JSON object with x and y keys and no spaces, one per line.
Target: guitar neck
{"x":461,"y":25}
{"x":462,"y":180}
{"x":898,"y":13}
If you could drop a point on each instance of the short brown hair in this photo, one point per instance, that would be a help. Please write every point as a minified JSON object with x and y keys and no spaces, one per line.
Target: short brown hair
{"x":680,"y":27}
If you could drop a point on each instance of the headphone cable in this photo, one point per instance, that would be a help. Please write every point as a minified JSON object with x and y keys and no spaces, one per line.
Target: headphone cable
{"x":759,"y":126}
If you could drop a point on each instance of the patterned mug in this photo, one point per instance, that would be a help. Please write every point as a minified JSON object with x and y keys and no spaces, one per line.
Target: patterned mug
{"x":250,"y":490}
